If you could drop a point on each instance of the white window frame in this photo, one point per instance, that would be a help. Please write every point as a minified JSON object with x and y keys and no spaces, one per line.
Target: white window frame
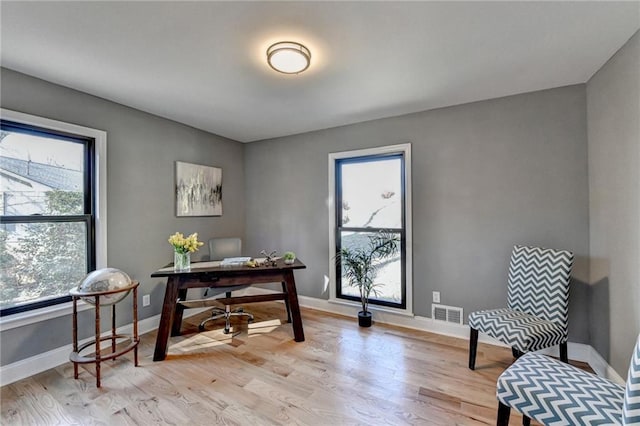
{"x":391,"y":149}
{"x":37,"y":315}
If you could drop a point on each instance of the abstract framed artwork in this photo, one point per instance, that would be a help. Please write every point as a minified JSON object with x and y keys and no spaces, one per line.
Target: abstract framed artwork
{"x":198,"y":190}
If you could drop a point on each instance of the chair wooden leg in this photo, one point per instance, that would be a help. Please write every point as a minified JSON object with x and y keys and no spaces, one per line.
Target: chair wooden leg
{"x":473,"y":346}
{"x":526,"y":421}
{"x":516,"y":353}
{"x":504,"y":412}
{"x":564,"y":356}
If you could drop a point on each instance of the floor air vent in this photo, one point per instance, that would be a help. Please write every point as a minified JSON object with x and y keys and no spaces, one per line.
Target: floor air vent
{"x":446,"y":313}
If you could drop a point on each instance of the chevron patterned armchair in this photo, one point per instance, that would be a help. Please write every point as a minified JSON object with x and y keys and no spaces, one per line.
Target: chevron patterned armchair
{"x":554,"y":393}
{"x":536,"y":316}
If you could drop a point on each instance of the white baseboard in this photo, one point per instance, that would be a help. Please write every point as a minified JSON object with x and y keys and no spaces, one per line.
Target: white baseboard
{"x":53,"y":358}
{"x":602,"y":368}
{"x":586,"y":353}
{"x":577,"y":351}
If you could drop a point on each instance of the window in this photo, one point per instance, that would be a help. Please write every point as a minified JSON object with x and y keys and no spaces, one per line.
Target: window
{"x":371,"y":192}
{"x":51,"y":232}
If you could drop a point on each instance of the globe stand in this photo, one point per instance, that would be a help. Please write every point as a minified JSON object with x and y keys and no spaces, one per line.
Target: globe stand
{"x":76,"y":358}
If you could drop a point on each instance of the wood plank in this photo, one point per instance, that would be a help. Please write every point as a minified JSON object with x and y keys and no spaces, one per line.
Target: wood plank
{"x":341,"y":374}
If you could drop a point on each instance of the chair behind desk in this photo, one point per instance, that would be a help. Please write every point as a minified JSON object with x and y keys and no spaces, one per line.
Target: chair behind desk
{"x":220,"y":248}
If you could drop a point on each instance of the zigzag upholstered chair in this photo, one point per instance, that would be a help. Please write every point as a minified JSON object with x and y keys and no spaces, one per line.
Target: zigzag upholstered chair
{"x":554,"y":393}
{"x":536,"y":316}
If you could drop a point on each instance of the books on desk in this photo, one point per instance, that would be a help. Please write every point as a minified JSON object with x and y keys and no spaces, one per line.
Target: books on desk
{"x":234,"y":261}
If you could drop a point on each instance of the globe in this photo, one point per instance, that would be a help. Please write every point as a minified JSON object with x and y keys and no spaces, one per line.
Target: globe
{"x":107,"y":279}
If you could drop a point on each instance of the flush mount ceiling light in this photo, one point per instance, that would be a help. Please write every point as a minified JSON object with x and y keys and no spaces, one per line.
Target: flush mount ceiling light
{"x":288,"y":57}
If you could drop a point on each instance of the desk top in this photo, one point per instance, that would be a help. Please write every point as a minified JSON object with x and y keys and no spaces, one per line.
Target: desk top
{"x":214,"y":268}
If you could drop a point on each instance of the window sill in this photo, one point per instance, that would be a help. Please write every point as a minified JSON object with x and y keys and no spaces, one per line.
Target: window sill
{"x":38,"y":315}
{"x":373,"y":308}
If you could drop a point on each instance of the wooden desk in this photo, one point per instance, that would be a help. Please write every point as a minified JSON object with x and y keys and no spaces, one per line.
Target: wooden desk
{"x":209,"y":274}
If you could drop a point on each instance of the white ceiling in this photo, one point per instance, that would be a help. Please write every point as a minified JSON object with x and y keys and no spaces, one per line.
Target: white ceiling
{"x":203,"y":63}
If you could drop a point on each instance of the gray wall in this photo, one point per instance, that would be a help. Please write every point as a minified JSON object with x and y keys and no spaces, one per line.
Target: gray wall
{"x":486,"y":176}
{"x":613,"y":105}
{"x":141,"y":151}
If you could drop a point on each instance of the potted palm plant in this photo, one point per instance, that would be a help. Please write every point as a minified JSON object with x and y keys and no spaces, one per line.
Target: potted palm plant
{"x":360,"y":265}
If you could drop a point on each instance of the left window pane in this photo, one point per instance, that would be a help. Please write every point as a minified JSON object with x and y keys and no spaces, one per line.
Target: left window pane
{"x":40,"y":175}
{"x":47,"y":214}
{"x":41,"y":260}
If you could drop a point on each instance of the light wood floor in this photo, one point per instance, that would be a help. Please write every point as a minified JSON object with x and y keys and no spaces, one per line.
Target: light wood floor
{"x":341,"y":375}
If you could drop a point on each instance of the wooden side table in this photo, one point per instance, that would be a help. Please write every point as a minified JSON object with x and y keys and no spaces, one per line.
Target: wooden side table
{"x":76,"y":358}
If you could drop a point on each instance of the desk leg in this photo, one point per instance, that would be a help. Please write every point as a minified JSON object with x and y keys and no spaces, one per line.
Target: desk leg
{"x":292,"y":297}
{"x":168,"y":309}
{"x":177,"y":316}
{"x":286,"y":302}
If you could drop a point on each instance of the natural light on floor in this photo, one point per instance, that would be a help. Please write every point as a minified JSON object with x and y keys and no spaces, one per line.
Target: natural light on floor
{"x":263,"y":327}
{"x":213,"y":338}
{"x":207,"y":339}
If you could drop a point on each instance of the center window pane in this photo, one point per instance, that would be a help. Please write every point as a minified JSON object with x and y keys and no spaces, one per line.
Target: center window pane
{"x":371,"y":194}
{"x":389,"y":278}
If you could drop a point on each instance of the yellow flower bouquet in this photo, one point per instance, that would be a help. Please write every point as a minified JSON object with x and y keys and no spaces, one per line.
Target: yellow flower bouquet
{"x":183,"y":247}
